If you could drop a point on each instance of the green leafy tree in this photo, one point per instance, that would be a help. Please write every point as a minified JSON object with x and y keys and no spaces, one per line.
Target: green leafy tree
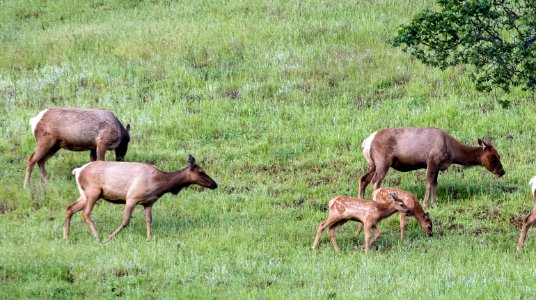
{"x":497,"y":37}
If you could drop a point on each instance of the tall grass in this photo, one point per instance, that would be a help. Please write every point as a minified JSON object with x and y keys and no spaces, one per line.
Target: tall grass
{"x":273,"y":98}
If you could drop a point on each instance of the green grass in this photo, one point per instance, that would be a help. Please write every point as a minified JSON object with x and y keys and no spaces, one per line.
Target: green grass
{"x":273,"y":99}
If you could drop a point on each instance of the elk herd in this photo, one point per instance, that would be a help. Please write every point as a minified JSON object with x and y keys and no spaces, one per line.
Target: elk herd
{"x":133,"y":183}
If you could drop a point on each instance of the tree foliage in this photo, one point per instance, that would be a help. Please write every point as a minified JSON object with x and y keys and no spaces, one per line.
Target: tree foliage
{"x":497,"y":37}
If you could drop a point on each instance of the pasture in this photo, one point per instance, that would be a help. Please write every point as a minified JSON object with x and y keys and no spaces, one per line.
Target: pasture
{"x":273,"y":98}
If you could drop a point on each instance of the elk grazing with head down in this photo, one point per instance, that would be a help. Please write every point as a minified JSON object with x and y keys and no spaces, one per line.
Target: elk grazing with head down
{"x":130,"y":184}
{"x":74,"y":129}
{"x":530,"y":219}
{"x":343,"y":209}
{"x":408,"y":149}
{"x":385,"y":195}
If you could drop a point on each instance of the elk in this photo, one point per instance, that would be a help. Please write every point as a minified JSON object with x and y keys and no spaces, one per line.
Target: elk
{"x":131,"y":184}
{"x":408,"y":149}
{"x":75,"y":129}
{"x":530,"y":219}
{"x":342,"y":209}
{"x":386,"y":195}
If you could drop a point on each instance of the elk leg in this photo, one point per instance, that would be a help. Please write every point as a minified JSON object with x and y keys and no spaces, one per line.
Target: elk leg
{"x":527,"y":223}
{"x":41,"y":151}
{"x":434,"y":188}
{"x":86,"y":214}
{"x":71,"y":210}
{"x":129,"y":208}
{"x":402,"y":224}
{"x":41,"y":163}
{"x":332,"y":230}
{"x":431,"y":177}
{"x":358,"y":231}
{"x":364,"y":180}
{"x":367,"y":237}
{"x":378,"y":176}
{"x":101,"y":151}
{"x":148,"y":220}
{"x":328,"y":222}
{"x":377,"y":234}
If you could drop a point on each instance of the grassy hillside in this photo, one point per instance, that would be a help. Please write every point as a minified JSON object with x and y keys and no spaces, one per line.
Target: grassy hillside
{"x":273,"y":99}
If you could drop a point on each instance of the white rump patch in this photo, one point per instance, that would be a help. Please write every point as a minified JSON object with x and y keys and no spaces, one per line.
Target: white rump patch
{"x":533,"y":183}
{"x":330,"y":203}
{"x":35,"y":120}
{"x":76,"y":173}
{"x":367,"y":143}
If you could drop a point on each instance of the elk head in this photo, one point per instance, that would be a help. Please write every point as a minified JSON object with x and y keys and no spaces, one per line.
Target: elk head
{"x":427,"y":224}
{"x":198,"y":175}
{"x":490,"y":158}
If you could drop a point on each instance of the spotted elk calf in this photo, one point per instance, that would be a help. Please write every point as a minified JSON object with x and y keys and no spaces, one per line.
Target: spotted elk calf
{"x":530,"y":219}
{"x":386,"y":194}
{"x":343,"y":209}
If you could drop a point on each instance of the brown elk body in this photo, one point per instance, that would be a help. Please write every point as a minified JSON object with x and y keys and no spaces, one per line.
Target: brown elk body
{"x":342,"y":209}
{"x":385,"y":195}
{"x":77,"y":130}
{"x":408,"y":149}
{"x":130,"y":184}
{"x":530,"y":219}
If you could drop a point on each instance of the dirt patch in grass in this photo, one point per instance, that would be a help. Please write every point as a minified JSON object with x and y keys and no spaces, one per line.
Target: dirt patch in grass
{"x":508,"y":189}
{"x":517,"y":221}
{"x":323,"y":180}
{"x":488,"y":214}
{"x":480,"y":231}
{"x":233,"y":94}
{"x":122,"y":272}
{"x":5,"y":208}
{"x":457,"y":227}
{"x":233,"y":189}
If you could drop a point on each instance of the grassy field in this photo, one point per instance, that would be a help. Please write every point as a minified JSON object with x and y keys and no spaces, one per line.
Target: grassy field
{"x":273,"y":99}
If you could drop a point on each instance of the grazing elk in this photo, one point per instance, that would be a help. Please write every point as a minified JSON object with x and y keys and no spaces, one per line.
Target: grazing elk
{"x":530,"y":219}
{"x":343,"y":209}
{"x":408,"y":149}
{"x":385,"y":195}
{"x":129,"y":183}
{"x":77,"y":130}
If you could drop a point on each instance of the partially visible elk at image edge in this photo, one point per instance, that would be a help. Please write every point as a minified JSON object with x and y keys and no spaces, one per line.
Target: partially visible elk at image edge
{"x":530,"y":219}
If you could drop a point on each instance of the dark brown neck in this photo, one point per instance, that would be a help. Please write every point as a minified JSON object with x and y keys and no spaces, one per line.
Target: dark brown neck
{"x":174,"y":182}
{"x":466,"y":155}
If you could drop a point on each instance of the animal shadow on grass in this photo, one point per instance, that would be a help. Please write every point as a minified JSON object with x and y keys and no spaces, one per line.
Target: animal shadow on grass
{"x":454,"y":192}
{"x":388,"y":241}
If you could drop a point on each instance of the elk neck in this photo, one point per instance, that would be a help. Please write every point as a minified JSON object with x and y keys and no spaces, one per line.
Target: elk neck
{"x":466,"y":155}
{"x":174,"y":182}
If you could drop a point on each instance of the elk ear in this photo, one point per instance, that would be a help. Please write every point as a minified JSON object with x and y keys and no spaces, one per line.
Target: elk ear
{"x":398,"y":200}
{"x":426,"y":216}
{"x":191,"y":160}
{"x":402,"y":204}
{"x":128,"y":128}
{"x":483,"y":144}
{"x":395,"y":197}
